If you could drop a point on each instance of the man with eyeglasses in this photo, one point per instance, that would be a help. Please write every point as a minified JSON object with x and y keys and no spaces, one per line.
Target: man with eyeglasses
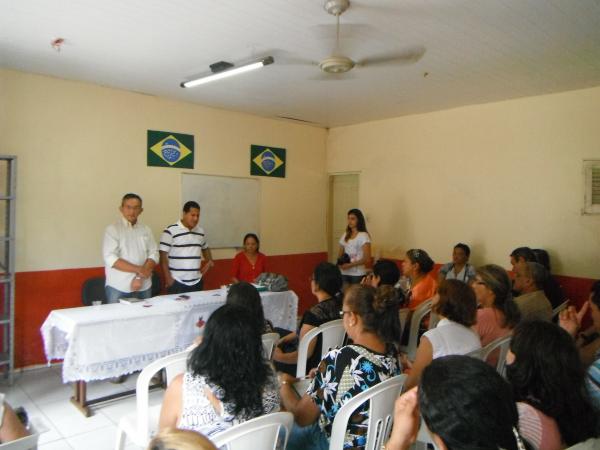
{"x":130,"y":253}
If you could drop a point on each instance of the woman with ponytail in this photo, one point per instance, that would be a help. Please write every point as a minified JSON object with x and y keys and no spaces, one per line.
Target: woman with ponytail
{"x":371,"y":320}
{"x":498,"y":313}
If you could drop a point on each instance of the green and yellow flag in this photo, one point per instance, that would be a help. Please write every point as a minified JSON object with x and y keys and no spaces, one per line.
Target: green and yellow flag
{"x":267,"y":161}
{"x":166,"y":149}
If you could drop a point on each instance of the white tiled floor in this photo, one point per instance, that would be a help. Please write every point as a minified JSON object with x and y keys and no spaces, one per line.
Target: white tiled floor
{"x":44,"y":396}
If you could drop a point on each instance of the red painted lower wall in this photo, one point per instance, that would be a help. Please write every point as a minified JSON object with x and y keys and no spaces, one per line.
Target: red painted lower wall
{"x":38,"y":293}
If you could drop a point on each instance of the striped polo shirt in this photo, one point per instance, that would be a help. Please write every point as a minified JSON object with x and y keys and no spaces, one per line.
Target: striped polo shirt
{"x":184,"y":248}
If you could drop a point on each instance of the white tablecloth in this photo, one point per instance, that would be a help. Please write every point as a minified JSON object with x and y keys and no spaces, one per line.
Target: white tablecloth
{"x":99,"y":342}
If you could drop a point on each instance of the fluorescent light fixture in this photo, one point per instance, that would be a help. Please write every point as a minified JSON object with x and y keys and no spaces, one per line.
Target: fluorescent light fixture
{"x":229,"y":72}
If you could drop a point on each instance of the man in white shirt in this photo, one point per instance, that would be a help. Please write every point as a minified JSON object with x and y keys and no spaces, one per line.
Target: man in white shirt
{"x":130,"y":254}
{"x":182,"y":248}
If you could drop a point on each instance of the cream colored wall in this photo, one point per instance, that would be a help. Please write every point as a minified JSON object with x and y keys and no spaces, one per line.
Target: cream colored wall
{"x":80,"y":147}
{"x":496,"y":176}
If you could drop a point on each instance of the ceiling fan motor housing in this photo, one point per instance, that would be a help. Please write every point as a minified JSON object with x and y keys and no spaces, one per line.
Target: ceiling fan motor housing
{"x":336,"y":64}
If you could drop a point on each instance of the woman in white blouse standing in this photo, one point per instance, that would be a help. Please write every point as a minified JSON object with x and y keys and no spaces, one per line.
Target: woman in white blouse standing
{"x":355,"y":248}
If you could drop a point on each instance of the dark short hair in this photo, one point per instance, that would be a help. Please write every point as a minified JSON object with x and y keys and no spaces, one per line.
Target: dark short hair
{"x":468,"y":404}
{"x":419,"y":256}
{"x":595,"y":291}
{"x":378,"y":308}
{"x":245,"y":295}
{"x":548,"y":374}
{"x":190,"y":205}
{"x":328,"y":278}
{"x":253,"y":236}
{"x":464,"y":247}
{"x":523,"y":252}
{"x":387,"y":270}
{"x":130,"y":196}
{"x":457,"y":302}
{"x":536,"y":272}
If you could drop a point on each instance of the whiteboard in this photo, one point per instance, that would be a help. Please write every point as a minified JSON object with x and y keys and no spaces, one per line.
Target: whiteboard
{"x":229,"y":206}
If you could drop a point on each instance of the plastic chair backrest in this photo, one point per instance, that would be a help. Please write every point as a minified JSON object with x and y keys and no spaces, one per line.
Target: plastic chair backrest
{"x":174,"y":365}
{"x":269,"y":340}
{"x":92,"y":290}
{"x":332,"y":335}
{"x":381,"y":414}
{"x":559,"y":308}
{"x":415,"y":323}
{"x":36,"y":428}
{"x":403,"y":315}
{"x":261,"y":433}
{"x":502,"y":343}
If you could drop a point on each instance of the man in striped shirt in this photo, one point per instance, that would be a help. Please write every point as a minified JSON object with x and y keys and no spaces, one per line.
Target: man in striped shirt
{"x":182,"y":248}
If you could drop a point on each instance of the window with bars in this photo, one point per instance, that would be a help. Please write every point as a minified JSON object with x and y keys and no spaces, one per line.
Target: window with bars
{"x":591,"y":169}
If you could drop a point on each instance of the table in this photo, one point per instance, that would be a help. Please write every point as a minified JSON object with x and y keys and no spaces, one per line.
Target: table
{"x":106,"y":341}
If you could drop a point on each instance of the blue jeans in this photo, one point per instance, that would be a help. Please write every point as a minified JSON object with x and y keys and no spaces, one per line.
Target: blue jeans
{"x":113,"y":295}
{"x":307,"y":438}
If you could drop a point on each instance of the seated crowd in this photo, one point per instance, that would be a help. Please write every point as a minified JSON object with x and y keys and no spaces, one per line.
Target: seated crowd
{"x":548,"y":398}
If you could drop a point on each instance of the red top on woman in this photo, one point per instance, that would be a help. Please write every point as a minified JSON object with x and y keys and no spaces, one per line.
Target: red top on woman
{"x":244,"y":270}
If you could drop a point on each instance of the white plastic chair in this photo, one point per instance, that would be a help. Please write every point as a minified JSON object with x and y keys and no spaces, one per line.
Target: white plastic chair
{"x":381,"y":414}
{"x":269,"y":340}
{"x":502,"y":343}
{"x":332,"y":335}
{"x":423,"y":438}
{"x":559,"y":308}
{"x":35,"y":428}
{"x":415,"y":322}
{"x":261,"y":433}
{"x":142,"y":424}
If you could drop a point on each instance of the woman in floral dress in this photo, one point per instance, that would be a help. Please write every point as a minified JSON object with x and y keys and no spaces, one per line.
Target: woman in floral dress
{"x":371,"y":322}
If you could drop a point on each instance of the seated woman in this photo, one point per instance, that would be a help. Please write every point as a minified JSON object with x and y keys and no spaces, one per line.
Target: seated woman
{"x":227,"y":380}
{"x":548,"y":383}
{"x":385,"y":272}
{"x":455,"y":304}
{"x":417,"y":266}
{"x":249,"y":263}
{"x":245,"y":295}
{"x":459,"y":268}
{"x":325,"y":284}
{"x":465,"y":404}
{"x":498,"y":313}
{"x":371,"y":321}
{"x":571,"y":320}
{"x":11,"y":427}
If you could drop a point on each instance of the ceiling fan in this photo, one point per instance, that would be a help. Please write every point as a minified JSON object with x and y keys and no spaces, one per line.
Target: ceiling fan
{"x":338,"y":63}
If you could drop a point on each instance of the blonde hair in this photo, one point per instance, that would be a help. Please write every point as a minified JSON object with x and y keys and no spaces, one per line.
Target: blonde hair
{"x":175,"y":439}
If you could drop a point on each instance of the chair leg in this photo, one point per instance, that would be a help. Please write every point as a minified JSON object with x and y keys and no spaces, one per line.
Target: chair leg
{"x":121,"y":438}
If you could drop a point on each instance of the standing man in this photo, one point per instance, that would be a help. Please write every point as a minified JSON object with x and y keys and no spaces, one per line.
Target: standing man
{"x":130,"y":254}
{"x":182,"y":248}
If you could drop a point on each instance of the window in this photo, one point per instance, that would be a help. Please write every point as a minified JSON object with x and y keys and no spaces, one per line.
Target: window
{"x":591,"y":170}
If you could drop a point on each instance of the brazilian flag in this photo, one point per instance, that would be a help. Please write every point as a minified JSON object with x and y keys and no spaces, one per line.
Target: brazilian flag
{"x":267,"y":161}
{"x":166,"y":149}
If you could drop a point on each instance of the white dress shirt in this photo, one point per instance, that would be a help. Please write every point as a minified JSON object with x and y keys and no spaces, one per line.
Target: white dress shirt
{"x":133,"y":243}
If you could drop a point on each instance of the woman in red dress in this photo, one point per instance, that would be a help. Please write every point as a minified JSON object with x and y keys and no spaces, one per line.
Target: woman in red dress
{"x":249,"y":263}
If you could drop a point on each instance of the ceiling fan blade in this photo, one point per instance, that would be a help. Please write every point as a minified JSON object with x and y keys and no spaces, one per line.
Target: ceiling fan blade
{"x":408,"y":56}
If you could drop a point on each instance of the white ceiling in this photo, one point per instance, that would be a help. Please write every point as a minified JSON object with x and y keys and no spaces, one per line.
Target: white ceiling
{"x":476,"y":51}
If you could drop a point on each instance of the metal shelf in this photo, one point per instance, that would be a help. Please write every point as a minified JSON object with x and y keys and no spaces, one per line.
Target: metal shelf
{"x":8,"y":174}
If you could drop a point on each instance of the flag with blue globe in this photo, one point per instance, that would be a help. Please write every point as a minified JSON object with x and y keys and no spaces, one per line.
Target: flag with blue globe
{"x":267,"y":161}
{"x":166,"y":149}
